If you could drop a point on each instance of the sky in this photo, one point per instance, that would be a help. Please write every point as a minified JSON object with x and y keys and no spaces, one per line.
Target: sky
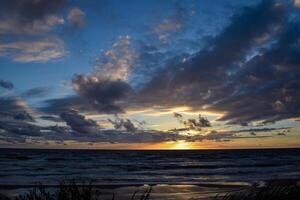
{"x":141,"y":74}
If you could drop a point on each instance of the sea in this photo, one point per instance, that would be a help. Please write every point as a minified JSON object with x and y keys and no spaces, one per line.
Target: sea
{"x":22,"y":168}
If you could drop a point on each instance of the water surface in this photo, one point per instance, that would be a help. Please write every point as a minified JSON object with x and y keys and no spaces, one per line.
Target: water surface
{"x":107,"y":167}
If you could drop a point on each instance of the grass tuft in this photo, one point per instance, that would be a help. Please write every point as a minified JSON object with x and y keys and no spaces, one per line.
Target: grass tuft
{"x":275,"y":191}
{"x":70,"y":190}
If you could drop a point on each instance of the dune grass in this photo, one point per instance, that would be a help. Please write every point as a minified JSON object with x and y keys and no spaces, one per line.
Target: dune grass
{"x":70,"y":190}
{"x":271,"y":191}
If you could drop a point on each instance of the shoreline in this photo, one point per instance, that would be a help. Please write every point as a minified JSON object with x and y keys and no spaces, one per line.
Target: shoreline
{"x":125,"y":192}
{"x":149,"y":184}
{"x":114,"y":186}
{"x":158,"y":191}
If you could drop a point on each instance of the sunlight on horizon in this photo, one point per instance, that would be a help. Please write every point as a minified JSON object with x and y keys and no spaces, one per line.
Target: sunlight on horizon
{"x":182,"y":145}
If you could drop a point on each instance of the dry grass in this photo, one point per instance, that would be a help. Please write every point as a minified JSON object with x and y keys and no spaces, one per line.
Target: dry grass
{"x":286,"y":191}
{"x":70,"y":190}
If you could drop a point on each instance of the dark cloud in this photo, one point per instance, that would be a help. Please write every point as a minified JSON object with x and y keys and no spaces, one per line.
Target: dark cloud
{"x":273,"y":78}
{"x":13,"y":140}
{"x":16,"y":129}
{"x":249,"y":71}
{"x":177,"y":130}
{"x":255,"y":130}
{"x":51,"y":118}
{"x":193,"y":124}
{"x":140,"y":124}
{"x":79,"y":123}
{"x":27,"y":30}
{"x":178,"y":116}
{"x":225,"y":136}
{"x":80,"y":129}
{"x":105,"y":95}
{"x":22,"y":129}
{"x":29,"y":16}
{"x":216,"y":136}
{"x":59,"y":130}
{"x":6,"y":84}
{"x":14,"y":108}
{"x":59,"y":105}
{"x":75,"y":102}
{"x":11,"y":105}
{"x":107,"y":87}
{"x":23,"y":116}
{"x":16,"y":119}
{"x":36,"y":92}
{"x":120,"y":123}
{"x":19,"y":128}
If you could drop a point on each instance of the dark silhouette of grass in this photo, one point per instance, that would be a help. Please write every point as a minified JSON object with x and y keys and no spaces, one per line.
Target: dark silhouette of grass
{"x":271,"y":191}
{"x":70,"y":190}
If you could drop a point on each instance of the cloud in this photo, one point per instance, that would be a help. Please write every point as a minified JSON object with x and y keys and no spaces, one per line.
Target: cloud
{"x":106,"y":89}
{"x":76,"y":18}
{"x":28,"y":29}
{"x":107,"y":86}
{"x":51,"y":118}
{"x":36,"y":27}
{"x":17,"y":126}
{"x":173,"y":23}
{"x":248,"y":72}
{"x":120,"y":123}
{"x":16,"y":119}
{"x":223,"y":77}
{"x":297,"y":3}
{"x":78,"y":123}
{"x":14,"y":108}
{"x":29,"y":16}
{"x":256,"y":130}
{"x":121,"y":70}
{"x":6,"y":85}
{"x":17,"y":129}
{"x":33,"y":51}
{"x":79,"y":129}
{"x":105,"y":95}
{"x":275,"y":85}
{"x":23,"y":116}
{"x":64,"y":134}
{"x":116,"y":63}
{"x":225,"y":136}
{"x":215,"y":136}
{"x":36,"y":92}
{"x":75,"y":102}
{"x":193,"y":124}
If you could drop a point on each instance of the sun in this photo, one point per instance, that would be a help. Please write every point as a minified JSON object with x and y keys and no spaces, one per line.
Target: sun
{"x":181,"y":145}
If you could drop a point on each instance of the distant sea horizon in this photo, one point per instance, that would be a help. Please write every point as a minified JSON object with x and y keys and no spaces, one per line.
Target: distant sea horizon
{"x":154,"y":149}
